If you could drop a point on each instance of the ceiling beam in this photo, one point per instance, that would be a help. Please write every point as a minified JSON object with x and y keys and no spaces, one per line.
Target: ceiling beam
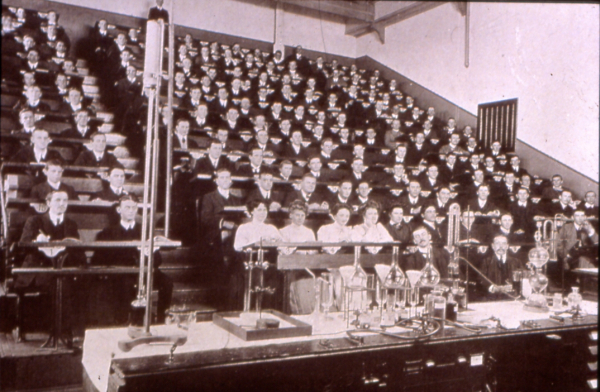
{"x":418,"y":7}
{"x":363,"y":10}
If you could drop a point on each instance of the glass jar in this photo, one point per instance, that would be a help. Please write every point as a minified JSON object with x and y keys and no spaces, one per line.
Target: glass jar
{"x":574,"y":299}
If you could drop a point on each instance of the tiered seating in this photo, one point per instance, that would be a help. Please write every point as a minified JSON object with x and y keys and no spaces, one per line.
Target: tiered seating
{"x":258,"y":115}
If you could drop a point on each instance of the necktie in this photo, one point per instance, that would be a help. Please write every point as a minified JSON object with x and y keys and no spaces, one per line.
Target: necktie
{"x":184,"y":141}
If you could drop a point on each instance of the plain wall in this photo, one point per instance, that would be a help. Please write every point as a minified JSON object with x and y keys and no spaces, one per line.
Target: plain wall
{"x":547,"y":55}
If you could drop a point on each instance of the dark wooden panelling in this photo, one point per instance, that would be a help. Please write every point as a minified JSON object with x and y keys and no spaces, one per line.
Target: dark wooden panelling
{"x":498,"y":121}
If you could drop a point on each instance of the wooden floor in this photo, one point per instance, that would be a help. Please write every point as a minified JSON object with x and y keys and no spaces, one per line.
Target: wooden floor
{"x":27,"y":367}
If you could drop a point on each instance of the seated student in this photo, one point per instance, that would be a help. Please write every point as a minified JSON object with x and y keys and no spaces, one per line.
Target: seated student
{"x":469,"y":232}
{"x":505,"y":191}
{"x":254,"y":167}
{"x":399,"y":155}
{"x":113,"y":189}
{"x":33,"y":102}
{"x":371,"y":230}
{"x":418,"y":150}
{"x":394,"y":136}
{"x":119,"y":292}
{"x":307,"y":193}
{"x":264,"y":192}
{"x":52,"y":226}
{"x":563,"y":206}
{"x":453,"y":146}
{"x":53,"y":171}
{"x":294,"y":149}
{"x":181,"y":139}
{"x":37,"y":151}
{"x":263,"y":143}
{"x":72,"y":102}
{"x":577,"y":245}
{"x":82,"y":128}
{"x":428,"y":221}
{"x":201,"y":118}
{"x":362,"y":196}
{"x":338,"y":231}
{"x":97,"y":156}
{"x":397,"y":227}
{"x":285,"y":171}
{"x":213,"y":161}
{"x":315,"y":167}
{"x":498,"y":267}
{"x":27,"y":121}
{"x":506,"y":229}
{"x":302,"y":296}
{"x":554,"y":192}
{"x":343,"y":193}
{"x":482,"y":205}
{"x":589,"y":207}
{"x":523,"y":210}
{"x":249,"y":233}
{"x":412,"y":200}
{"x":429,"y":180}
{"x":424,"y":250}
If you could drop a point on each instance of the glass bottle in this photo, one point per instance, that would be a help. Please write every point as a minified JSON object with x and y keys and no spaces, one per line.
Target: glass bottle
{"x":430,"y":276}
{"x":574,"y":298}
{"x":435,"y":306}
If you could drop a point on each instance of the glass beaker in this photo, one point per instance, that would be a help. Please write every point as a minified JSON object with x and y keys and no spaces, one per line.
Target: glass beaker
{"x":325,"y":283}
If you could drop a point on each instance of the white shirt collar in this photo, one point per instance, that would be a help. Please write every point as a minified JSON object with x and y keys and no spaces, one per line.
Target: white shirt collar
{"x":223,"y":192}
{"x":127,"y":225}
{"x":116,"y":191}
{"x":56,"y":219}
{"x":54,"y":185}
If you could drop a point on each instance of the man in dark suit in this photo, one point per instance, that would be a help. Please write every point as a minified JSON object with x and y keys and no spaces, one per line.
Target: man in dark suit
{"x":507,"y":229}
{"x":213,"y":161}
{"x":577,"y":243}
{"x":307,"y":193}
{"x":418,"y":150}
{"x":113,"y":189}
{"x":36,"y":152}
{"x":589,"y":207}
{"x":216,"y":229}
{"x":412,"y":200}
{"x":82,"y":128}
{"x":505,"y":192}
{"x":121,"y":291}
{"x":294,"y":149}
{"x":52,"y":226}
{"x":426,"y":251}
{"x":397,"y":227}
{"x":254,"y":167}
{"x":158,"y":12}
{"x":53,"y":171}
{"x":482,"y":205}
{"x":97,"y":156}
{"x":265,"y":194}
{"x":498,"y":267}
{"x":515,"y":167}
{"x":563,"y":206}
{"x":523,"y":210}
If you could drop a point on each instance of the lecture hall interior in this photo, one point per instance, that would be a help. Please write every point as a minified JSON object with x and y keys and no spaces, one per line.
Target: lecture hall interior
{"x":299,"y":195}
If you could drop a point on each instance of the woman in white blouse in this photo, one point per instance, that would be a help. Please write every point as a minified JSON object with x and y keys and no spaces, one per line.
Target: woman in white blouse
{"x":371,"y":230}
{"x":302,"y":292}
{"x":256,"y":229}
{"x":338,"y":231}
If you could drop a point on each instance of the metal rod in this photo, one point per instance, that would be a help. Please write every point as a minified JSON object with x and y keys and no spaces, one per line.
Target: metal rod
{"x":140,"y":296}
{"x":169,"y":169}
{"x":4,"y":212}
{"x":467,"y":28}
{"x":154,"y":185}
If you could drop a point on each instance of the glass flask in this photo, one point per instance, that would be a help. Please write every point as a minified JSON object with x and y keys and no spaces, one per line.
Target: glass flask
{"x":395,"y":278}
{"x":538,"y":257}
{"x":574,"y":298}
{"x":430,"y":276}
{"x":358,"y":280}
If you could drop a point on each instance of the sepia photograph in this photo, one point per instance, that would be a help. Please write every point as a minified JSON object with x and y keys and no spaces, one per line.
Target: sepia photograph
{"x":299,"y":195}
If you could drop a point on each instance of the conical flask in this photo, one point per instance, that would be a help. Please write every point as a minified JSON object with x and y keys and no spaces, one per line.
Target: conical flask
{"x":395,"y":278}
{"x":430,"y":276}
{"x":358,"y":280}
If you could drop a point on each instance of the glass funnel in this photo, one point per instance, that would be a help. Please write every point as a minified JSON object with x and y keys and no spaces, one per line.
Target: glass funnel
{"x":430,"y":276}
